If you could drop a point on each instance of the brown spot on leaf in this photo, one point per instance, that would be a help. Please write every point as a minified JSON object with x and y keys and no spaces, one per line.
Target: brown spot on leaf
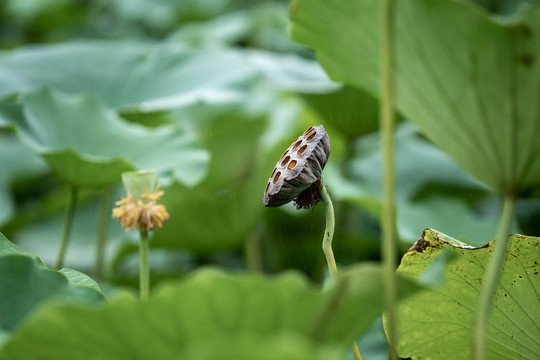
{"x":293,"y":9}
{"x":527,"y":60}
{"x":526,"y":30}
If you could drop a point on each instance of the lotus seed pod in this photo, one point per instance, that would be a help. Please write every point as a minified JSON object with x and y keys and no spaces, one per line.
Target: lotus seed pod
{"x":299,"y":167}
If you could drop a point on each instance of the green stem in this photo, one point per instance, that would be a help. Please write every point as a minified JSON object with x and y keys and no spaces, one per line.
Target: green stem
{"x":103,"y":223}
{"x":491,"y":277}
{"x":144,"y":271}
{"x":327,"y":247}
{"x":329,"y":231}
{"x":68,"y":221}
{"x":389,"y":247}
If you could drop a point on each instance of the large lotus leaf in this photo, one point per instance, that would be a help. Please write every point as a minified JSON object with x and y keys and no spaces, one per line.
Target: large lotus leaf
{"x":283,"y":346}
{"x":437,"y":324}
{"x":88,"y":145}
{"x":418,"y":164}
{"x":146,"y":77}
{"x":26,"y":283}
{"x":125,"y":75}
{"x":426,"y":182}
{"x":27,"y":164}
{"x":468,"y":80}
{"x":351,"y":110}
{"x":290,"y":72}
{"x":208,"y":307}
{"x":450,"y":214}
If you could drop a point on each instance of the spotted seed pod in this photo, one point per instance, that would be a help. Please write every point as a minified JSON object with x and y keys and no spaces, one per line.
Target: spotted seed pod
{"x":299,"y":167}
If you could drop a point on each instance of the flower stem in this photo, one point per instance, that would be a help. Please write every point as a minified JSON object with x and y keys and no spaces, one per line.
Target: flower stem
{"x":388,"y":221}
{"x":329,"y":231}
{"x":327,"y":247}
{"x":102,"y":232}
{"x":491,"y":277}
{"x":144,"y":271}
{"x":68,"y":221}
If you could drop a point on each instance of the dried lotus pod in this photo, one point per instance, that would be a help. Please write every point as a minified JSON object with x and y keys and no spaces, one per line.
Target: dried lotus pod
{"x":299,"y":167}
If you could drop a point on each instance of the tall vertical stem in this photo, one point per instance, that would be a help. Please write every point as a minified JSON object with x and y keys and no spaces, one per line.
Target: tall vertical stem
{"x":389,"y":247}
{"x":327,"y":247}
{"x":491,"y":277}
{"x":102,"y":232}
{"x":144,"y":270}
{"x":68,"y":221}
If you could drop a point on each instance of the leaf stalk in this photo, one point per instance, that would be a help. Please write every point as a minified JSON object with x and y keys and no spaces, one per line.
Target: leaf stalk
{"x":388,"y":221}
{"x":68,"y":222}
{"x":491,"y":277}
{"x":327,"y":247}
{"x":144,"y":269}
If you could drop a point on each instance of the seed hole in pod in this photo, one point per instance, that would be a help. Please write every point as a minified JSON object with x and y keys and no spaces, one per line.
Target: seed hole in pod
{"x":276,"y":178}
{"x":267,"y":186}
{"x":273,"y":172}
{"x":285,"y":153}
{"x":310,"y":137}
{"x":302,"y":150}
{"x":285,"y":161}
{"x":306,"y":133}
{"x":292,"y":164}
{"x":296,"y":144}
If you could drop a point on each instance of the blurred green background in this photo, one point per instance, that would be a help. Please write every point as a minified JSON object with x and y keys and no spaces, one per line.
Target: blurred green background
{"x":208,"y":93}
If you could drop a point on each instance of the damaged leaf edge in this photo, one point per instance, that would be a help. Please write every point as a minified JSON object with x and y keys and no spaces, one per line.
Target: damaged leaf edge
{"x":429,"y":235}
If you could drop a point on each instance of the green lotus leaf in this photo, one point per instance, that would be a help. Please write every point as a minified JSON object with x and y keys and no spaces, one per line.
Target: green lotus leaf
{"x":284,"y":346}
{"x":126,"y":75}
{"x":290,"y":72}
{"x":466,"y":78}
{"x":27,"y":284}
{"x":27,"y":165}
{"x":426,"y":185}
{"x":437,"y":324}
{"x":142,"y":77}
{"x":207,"y":308}
{"x":88,"y":145}
{"x":351,"y":110}
{"x":9,"y":248}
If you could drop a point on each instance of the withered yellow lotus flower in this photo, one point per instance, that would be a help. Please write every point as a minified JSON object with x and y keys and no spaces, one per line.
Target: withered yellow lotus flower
{"x":140,"y":209}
